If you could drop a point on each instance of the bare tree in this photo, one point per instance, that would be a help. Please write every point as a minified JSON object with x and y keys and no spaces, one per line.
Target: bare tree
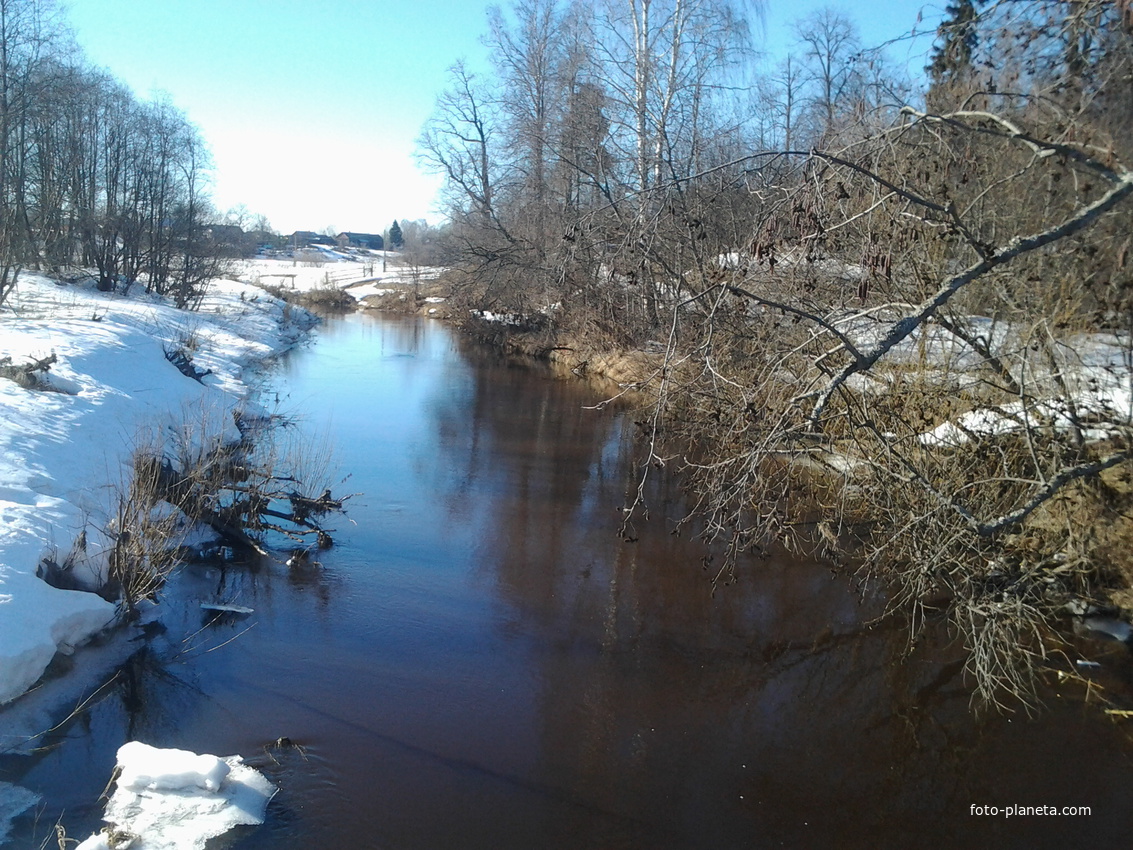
{"x":783,"y":100}
{"x":527,"y":61}
{"x":457,"y":142}
{"x":830,"y":48}
{"x":958,"y":409}
{"x":661,"y":60}
{"x":26,"y":29}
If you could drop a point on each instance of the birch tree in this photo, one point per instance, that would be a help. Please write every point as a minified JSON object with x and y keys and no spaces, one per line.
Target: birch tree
{"x":927,"y":353}
{"x":458,"y":142}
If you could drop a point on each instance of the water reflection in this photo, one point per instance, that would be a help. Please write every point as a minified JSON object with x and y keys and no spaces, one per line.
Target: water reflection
{"x":767,"y":711}
{"x":481,"y":661}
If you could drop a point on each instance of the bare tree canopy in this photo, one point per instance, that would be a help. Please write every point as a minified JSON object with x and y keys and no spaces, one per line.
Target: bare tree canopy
{"x":91,"y":177}
{"x":890,"y":325}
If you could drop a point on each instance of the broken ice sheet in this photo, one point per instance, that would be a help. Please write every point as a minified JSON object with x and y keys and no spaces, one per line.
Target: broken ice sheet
{"x":14,"y":801}
{"x":178,"y":800}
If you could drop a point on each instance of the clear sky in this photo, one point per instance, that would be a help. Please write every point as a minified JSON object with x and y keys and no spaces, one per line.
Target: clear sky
{"x":311,"y":108}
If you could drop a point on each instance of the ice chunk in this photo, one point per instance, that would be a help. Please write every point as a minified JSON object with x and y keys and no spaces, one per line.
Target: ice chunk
{"x":178,"y":800}
{"x":146,"y":768}
{"x":225,"y":608}
{"x":14,"y":801}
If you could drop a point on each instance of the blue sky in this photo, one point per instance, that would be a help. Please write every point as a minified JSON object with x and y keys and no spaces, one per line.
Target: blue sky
{"x":311,"y":109}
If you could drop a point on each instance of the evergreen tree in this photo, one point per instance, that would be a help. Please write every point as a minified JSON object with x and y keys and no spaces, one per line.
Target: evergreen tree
{"x":395,"y":238}
{"x":957,"y":41}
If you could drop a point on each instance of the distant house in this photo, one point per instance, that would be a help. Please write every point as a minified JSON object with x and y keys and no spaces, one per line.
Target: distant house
{"x":229,"y":240}
{"x":226,"y":233}
{"x":266,"y":239}
{"x":370,"y":241}
{"x":309,"y":239}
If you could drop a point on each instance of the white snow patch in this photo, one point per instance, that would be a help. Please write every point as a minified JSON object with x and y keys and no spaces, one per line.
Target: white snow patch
{"x":788,"y":257}
{"x":497,"y":318}
{"x":982,"y":422}
{"x":145,"y":768}
{"x":61,"y":452}
{"x":359,"y":277}
{"x":177,"y":800}
{"x":370,"y":290}
{"x":1083,"y":381}
{"x":1098,"y":379}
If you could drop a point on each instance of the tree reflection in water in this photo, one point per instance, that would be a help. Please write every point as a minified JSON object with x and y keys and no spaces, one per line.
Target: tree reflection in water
{"x":766,"y":708}
{"x":481,"y":660}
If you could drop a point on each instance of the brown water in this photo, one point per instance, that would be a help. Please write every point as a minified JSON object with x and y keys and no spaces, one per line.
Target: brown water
{"x":483,"y":662}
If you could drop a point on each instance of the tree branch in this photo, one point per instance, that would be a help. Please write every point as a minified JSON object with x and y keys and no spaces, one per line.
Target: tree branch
{"x":1048,"y":490}
{"x":996,"y":257}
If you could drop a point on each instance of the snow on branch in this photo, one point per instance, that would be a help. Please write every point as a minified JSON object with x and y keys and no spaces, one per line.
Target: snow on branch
{"x":995,"y":257}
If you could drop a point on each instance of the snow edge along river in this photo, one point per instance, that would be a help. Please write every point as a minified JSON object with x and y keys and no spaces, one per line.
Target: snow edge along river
{"x":62,"y":451}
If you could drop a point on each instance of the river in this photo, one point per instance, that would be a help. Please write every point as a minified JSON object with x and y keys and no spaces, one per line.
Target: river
{"x":482,"y":661}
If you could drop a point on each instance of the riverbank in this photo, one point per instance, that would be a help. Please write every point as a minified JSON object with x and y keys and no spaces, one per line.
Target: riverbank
{"x":484,"y":644}
{"x":620,"y":370}
{"x":1063,"y":552}
{"x":102,"y":374}
{"x":1098,"y":602}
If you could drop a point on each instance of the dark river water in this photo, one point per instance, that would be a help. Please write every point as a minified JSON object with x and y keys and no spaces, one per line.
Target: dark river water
{"x":482,"y":662}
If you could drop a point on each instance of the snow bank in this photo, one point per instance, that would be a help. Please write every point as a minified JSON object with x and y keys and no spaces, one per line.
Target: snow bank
{"x":24,"y":723}
{"x":60,"y":452}
{"x":178,"y":800}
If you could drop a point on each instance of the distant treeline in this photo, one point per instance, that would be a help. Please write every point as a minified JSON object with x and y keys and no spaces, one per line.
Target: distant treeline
{"x":91,"y":176}
{"x":624,"y":133}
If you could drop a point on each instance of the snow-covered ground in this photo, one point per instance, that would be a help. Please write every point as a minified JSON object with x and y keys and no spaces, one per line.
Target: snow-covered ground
{"x":63,"y":451}
{"x":1084,"y":380}
{"x":375,"y":274}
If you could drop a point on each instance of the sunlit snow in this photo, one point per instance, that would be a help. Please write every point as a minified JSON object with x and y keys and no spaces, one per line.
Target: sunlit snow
{"x":168,"y":799}
{"x":61,"y":452}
